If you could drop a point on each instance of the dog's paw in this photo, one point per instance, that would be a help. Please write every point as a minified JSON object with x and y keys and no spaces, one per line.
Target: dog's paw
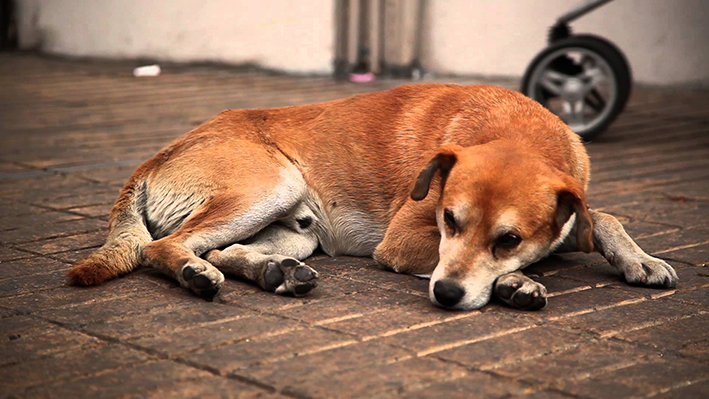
{"x":520,"y":292}
{"x":202,"y":278}
{"x":643,"y":269}
{"x":285,"y":275}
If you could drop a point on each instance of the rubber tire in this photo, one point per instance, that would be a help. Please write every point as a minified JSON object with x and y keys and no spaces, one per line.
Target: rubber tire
{"x":606,"y":50}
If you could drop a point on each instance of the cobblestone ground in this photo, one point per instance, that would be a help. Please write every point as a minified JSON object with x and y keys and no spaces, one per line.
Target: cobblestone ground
{"x":72,"y":132}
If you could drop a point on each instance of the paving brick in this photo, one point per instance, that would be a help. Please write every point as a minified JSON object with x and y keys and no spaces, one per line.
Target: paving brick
{"x":692,"y":190}
{"x":294,"y":370}
{"x":560,"y":286}
{"x":644,"y":207}
{"x":477,"y":326}
{"x":638,"y":229}
{"x":695,"y":254}
{"x":102,"y":210}
{"x":28,"y":266}
{"x":169,"y":321}
{"x":664,"y":243}
{"x":26,"y":284}
{"x":381,"y":381}
{"x":269,"y":348}
{"x":8,"y":254}
{"x":12,"y":209}
{"x":349,"y":305}
{"x":112,"y":384}
{"x":101,"y":196}
{"x":73,"y":256}
{"x":207,"y":387}
{"x":13,"y":328}
{"x":63,"y":244}
{"x":598,"y":275}
{"x":478,"y":385}
{"x":688,"y":334}
{"x":413,"y":315}
{"x":631,"y":317}
{"x":576,"y":363}
{"x":643,"y":378}
{"x":686,"y":218}
{"x":144,"y":302}
{"x":508,"y":350}
{"x":558,"y":262}
{"x":205,"y":337}
{"x":576,"y":303}
{"x":332,"y":287}
{"x":30,"y":222}
{"x":699,"y":389}
{"x":67,"y":365}
{"x":698,"y":296}
{"x":69,"y":296}
{"x":19,"y":347}
{"x":385,"y":279}
{"x":29,"y":233}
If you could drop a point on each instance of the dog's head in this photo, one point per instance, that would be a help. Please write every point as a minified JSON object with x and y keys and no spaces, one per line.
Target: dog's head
{"x":500,"y":209}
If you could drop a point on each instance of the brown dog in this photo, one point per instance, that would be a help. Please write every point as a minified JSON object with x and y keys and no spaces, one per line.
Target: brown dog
{"x":467,"y":184}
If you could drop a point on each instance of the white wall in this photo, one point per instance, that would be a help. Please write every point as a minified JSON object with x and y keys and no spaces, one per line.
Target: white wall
{"x":295,"y":36}
{"x":665,"y":41}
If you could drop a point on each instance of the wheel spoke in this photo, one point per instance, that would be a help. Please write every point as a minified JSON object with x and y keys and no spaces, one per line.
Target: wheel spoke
{"x":573,"y":113}
{"x":595,"y":100}
{"x":551,"y":86}
{"x":552,"y":81}
{"x":592,"y":77}
{"x":556,"y":76}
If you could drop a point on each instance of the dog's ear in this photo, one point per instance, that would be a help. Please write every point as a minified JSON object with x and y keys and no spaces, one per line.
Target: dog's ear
{"x":444,"y":160}
{"x":571,"y":200}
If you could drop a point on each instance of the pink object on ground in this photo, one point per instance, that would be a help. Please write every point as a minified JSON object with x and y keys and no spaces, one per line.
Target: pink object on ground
{"x":361,"y":77}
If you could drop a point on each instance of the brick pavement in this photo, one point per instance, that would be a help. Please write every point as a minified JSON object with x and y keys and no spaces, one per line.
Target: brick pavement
{"x":72,"y":132}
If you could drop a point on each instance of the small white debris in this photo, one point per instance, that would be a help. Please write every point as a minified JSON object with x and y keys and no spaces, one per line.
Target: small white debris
{"x":147,"y":70}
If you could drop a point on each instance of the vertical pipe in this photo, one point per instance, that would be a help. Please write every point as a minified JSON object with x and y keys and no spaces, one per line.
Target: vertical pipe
{"x":342,"y":29}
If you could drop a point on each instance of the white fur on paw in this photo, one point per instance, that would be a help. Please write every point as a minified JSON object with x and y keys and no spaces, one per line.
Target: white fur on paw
{"x":644,"y":269}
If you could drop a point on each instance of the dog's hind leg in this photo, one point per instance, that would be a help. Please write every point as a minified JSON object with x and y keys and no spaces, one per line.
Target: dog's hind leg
{"x":229,"y":216}
{"x":271,"y":259}
{"x":611,"y":240}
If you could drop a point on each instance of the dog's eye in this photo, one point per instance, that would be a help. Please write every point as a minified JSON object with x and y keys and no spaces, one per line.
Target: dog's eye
{"x":508,"y":241}
{"x":450,"y":220}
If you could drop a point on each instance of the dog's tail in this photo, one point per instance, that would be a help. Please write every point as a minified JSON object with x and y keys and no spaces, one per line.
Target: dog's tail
{"x":127,"y":236}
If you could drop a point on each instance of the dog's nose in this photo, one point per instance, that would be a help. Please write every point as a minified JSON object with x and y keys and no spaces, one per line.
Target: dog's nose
{"x":447,"y":293}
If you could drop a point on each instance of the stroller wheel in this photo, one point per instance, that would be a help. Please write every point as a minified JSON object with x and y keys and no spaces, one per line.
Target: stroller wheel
{"x":583,"y":79}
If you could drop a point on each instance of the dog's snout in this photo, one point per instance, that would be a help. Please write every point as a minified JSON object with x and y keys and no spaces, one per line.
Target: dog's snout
{"x":448,"y":293}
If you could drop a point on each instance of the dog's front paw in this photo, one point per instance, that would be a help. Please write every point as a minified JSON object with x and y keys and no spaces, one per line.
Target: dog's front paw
{"x":521,"y":292}
{"x":643,"y":269}
{"x":202,"y":278}
{"x":286,"y":275}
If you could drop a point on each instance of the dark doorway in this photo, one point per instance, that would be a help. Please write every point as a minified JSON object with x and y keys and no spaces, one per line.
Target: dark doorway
{"x":8,"y":25}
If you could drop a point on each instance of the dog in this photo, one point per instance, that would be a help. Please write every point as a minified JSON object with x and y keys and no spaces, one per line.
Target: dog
{"x":465,"y":184}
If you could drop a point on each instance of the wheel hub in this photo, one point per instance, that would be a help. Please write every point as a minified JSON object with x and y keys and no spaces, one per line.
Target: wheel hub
{"x":573,"y":89}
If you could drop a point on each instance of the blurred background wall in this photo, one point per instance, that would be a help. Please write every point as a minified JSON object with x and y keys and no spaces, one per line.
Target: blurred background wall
{"x":292,"y":36}
{"x":664,"y":40}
